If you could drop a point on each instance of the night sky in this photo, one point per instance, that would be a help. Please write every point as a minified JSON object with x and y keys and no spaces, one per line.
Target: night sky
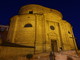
{"x":69,"y":8}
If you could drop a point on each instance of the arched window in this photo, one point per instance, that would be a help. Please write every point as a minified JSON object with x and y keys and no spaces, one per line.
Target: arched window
{"x":28,"y":25}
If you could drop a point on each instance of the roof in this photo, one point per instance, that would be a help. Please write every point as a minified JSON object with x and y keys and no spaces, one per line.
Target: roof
{"x":4,"y":26}
{"x":38,"y":9}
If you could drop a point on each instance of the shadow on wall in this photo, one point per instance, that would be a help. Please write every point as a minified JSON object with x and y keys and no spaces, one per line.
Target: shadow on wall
{"x":69,"y":58}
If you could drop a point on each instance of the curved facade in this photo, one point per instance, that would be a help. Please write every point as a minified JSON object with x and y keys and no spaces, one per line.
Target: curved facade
{"x":42,"y":28}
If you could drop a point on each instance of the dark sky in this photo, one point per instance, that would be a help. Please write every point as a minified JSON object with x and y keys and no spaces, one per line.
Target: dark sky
{"x":69,"y":8}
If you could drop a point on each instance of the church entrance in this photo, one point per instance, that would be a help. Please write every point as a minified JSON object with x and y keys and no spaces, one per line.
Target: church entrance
{"x":53,"y":35}
{"x":54,"y":45}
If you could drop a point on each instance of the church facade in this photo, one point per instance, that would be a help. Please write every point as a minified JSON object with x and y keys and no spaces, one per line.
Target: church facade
{"x":39,"y":33}
{"x":42,"y":28}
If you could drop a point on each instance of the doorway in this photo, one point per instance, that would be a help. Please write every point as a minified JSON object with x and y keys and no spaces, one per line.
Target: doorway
{"x":54,"y":45}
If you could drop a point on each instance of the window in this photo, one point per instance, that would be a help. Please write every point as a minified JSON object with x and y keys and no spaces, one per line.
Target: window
{"x":30,"y":12}
{"x":28,"y":25}
{"x":69,"y":32}
{"x":52,"y":27}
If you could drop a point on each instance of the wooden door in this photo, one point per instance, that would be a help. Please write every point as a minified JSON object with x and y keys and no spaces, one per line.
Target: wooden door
{"x":54,"y":45}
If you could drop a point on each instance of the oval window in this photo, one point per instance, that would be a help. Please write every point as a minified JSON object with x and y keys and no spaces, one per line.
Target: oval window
{"x":52,"y":27}
{"x":28,"y":25}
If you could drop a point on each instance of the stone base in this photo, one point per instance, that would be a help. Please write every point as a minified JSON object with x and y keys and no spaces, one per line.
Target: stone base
{"x":63,"y":55}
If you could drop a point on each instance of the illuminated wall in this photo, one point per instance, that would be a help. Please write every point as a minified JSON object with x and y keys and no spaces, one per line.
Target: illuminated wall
{"x":42,"y":28}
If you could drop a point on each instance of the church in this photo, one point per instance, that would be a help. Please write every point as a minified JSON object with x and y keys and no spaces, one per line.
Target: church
{"x":39,"y":31}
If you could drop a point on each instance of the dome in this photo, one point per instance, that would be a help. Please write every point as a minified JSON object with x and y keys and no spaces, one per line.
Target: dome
{"x":33,"y":8}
